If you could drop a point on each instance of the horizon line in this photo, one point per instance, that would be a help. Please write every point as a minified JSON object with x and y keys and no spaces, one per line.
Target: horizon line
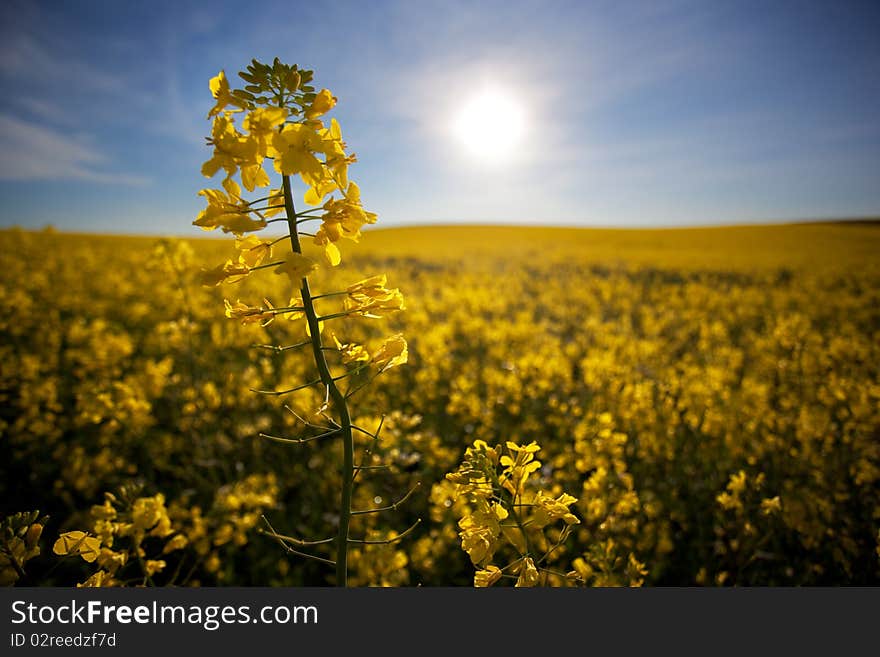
{"x":755,"y":223}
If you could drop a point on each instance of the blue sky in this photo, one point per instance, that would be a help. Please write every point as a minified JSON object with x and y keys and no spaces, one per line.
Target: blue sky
{"x":637,"y":113}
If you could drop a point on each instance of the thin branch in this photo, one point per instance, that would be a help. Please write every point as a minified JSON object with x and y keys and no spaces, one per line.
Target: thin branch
{"x":328,"y":294}
{"x":298,"y":441}
{"x":390,"y":507}
{"x":324,"y":318}
{"x":356,"y":370}
{"x":382,"y":466}
{"x":266,"y":198}
{"x":266,"y":207}
{"x":563,"y":535}
{"x":369,"y":450}
{"x":297,"y":541}
{"x":306,"y":422}
{"x":279,"y":348}
{"x":388,"y":541}
{"x":286,"y":310}
{"x":370,"y":433}
{"x":275,"y":393}
{"x":352,"y":392}
{"x":267,"y":265}
{"x":329,"y":419}
{"x":289,"y":549}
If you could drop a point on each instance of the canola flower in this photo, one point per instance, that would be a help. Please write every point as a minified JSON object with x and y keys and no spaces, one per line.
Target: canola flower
{"x":283,"y":122}
{"x":506,"y":513}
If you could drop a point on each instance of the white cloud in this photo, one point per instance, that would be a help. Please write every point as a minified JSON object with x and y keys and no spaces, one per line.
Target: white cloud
{"x":32,"y":152}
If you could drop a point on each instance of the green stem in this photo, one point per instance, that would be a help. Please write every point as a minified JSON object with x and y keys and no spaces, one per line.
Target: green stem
{"x":18,"y":569}
{"x":335,"y":395}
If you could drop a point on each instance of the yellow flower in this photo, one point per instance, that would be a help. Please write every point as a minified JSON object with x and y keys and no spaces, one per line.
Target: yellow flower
{"x":99,"y":579}
{"x":297,"y":266}
{"x":176,"y":543}
{"x":548,"y":509}
{"x":582,"y":570}
{"x":276,"y":203}
{"x":219,"y":86}
{"x":343,"y":218}
{"x":250,"y":314}
{"x":253,"y":251}
{"x":531,"y":448}
{"x":336,"y":164}
{"x":480,"y":531}
{"x":231,"y":271}
{"x":517,"y":470}
{"x":77,"y":542}
{"x":316,"y":193}
{"x":331,"y":254}
{"x":737,"y":483}
{"x":231,"y":148}
{"x":370,"y":297}
{"x":153,"y":566}
{"x":105,"y":529}
{"x":487,"y":576}
{"x":372,"y":286}
{"x":253,"y":176}
{"x":228,"y":211}
{"x":478,"y":541}
{"x":771,"y":505}
{"x":528,"y":573}
{"x":146,"y":512}
{"x":111,"y":560}
{"x":262,"y":124}
{"x":392,"y":352}
{"x":295,"y":148}
{"x":105,"y":511}
{"x":293,"y":315}
{"x":635,"y":570}
{"x":323,"y":103}
{"x":351,"y":352}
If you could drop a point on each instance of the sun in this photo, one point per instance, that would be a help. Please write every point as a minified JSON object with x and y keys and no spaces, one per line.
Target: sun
{"x":490,"y":126}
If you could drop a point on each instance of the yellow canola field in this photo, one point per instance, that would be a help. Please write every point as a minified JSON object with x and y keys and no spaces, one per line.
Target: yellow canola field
{"x":710,"y":396}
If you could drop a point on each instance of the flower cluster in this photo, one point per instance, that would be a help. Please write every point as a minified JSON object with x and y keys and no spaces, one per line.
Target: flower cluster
{"x":283,"y":122}
{"x":506,"y":511}
{"x":293,"y":136}
{"x":19,"y":543}
{"x":134,"y":539}
{"x":126,"y":531}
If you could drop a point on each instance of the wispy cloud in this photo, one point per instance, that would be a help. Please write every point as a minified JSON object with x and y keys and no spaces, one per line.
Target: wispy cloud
{"x":23,"y":56}
{"x":69,"y":75}
{"x":44,"y":110}
{"x":32,"y":152}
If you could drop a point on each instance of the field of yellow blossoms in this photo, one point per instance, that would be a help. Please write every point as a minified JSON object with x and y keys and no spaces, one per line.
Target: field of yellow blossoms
{"x":695,"y":406}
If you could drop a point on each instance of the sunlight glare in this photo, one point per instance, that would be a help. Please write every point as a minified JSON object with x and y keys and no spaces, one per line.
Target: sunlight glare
{"x":490,"y":126}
